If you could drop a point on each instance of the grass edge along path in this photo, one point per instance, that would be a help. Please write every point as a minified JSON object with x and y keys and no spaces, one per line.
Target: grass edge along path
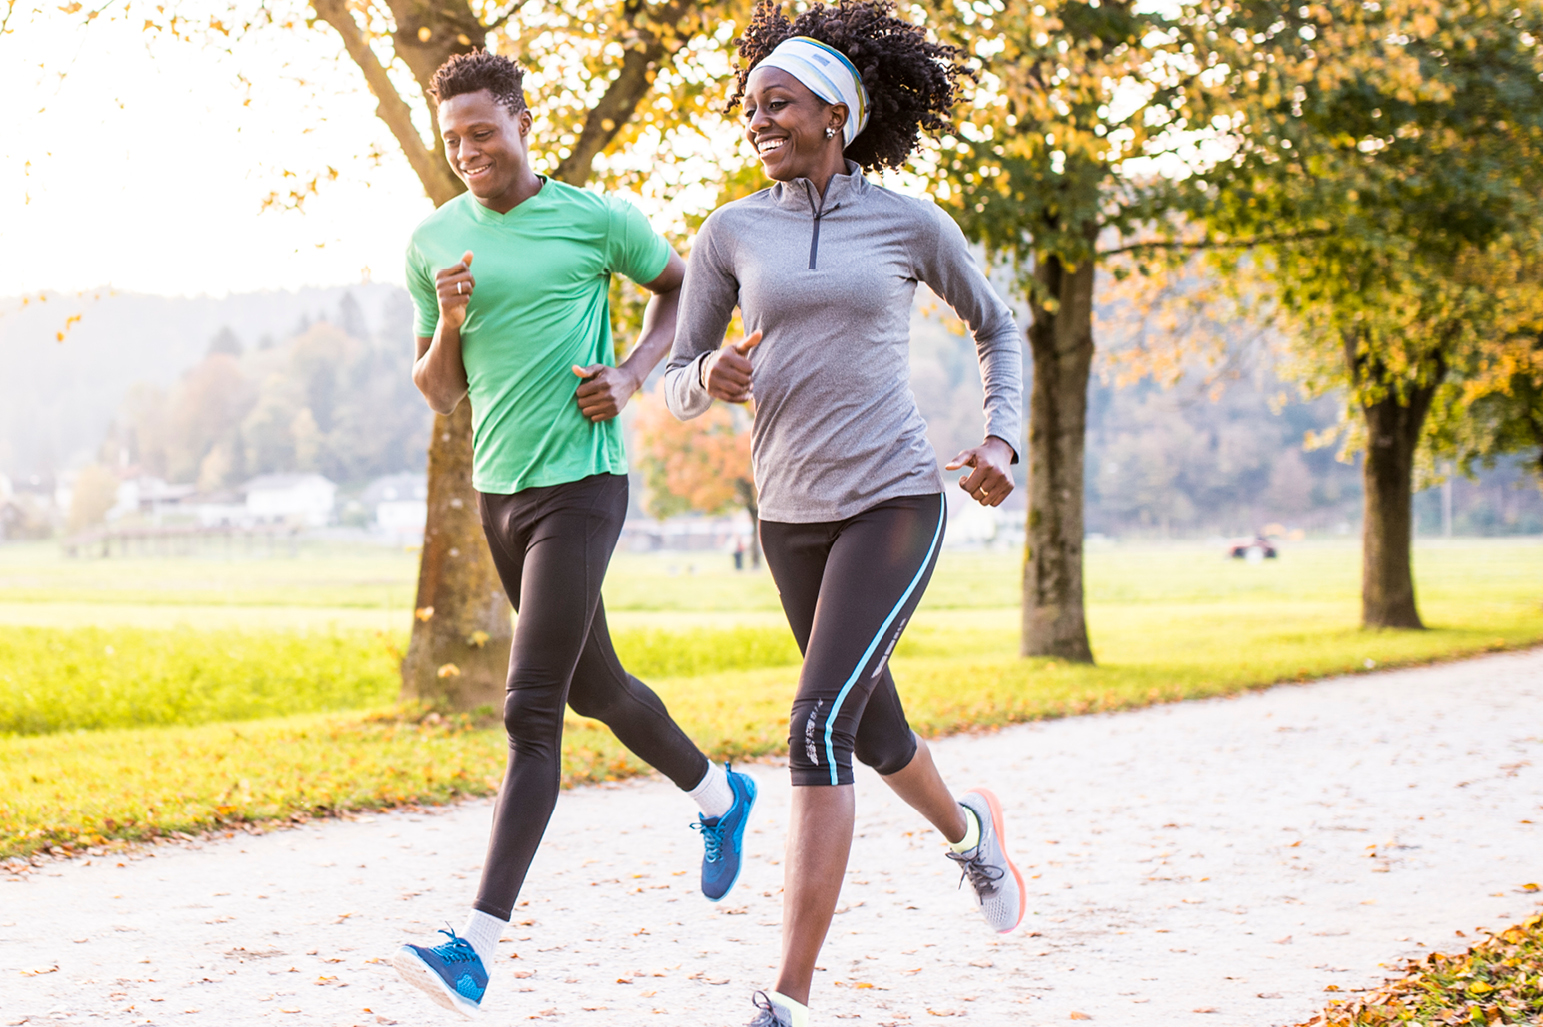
{"x":1497,"y":981}
{"x":67,"y":793}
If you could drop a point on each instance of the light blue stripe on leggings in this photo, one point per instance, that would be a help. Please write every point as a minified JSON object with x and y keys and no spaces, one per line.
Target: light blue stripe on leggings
{"x":830,"y":719}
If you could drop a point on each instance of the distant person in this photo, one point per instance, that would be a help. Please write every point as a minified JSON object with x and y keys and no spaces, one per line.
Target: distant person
{"x":530,"y":346}
{"x":823,"y":267}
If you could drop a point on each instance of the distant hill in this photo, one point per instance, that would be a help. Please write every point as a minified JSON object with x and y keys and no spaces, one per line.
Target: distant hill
{"x":57,"y":398}
{"x":337,"y":398}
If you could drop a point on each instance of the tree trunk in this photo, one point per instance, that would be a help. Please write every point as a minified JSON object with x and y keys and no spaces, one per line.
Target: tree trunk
{"x":459,"y":652}
{"x":746,"y":489}
{"x":1392,"y":436}
{"x":1061,"y":345}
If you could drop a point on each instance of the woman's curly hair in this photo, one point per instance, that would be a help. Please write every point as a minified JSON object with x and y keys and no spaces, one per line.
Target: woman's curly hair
{"x":912,"y":83}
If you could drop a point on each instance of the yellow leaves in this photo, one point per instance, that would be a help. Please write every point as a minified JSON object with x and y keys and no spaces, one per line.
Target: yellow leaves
{"x":425,"y":34}
{"x":71,"y":8}
{"x":448,"y":670}
{"x":478,"y":639}
{"x":69,"y":323}
{"x":424,"y":614}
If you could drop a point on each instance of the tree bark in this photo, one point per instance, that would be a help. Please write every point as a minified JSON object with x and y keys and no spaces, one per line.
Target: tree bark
{"x":747,"y":496}
{"x":459,"y":652}
{"x":1061,"y":346}
{"x":1393,"y":425}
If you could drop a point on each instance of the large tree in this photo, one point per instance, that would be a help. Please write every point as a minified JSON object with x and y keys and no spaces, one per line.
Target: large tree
{"x":1388,"y":163}
{"x":604,"y":74}
{"x":1055,"y":166}
{"x":600,"y":61}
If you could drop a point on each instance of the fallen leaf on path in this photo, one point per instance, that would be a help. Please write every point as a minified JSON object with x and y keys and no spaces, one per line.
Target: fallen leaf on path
{"x":1282,"y":941}
{"x":944,"y":1012}
{"x":1203,"y":1009}
{"x":1079,"y":1016}
{"x":1269,"y":994}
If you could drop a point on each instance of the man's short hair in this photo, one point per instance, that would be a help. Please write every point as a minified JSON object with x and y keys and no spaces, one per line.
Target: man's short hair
{"x":479,"y":70}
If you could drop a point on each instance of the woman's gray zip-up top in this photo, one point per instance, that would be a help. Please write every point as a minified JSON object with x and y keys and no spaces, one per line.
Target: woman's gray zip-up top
{"x":829,"y":285}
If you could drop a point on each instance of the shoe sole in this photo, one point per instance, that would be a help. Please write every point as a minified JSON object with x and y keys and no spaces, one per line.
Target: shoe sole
{"x":996,"y":825}
{"x":414,"y":971}
{"x":739,"y":837}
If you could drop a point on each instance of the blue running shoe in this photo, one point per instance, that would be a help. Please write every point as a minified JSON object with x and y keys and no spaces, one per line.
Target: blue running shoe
{"x":724,"y":838}
{"x":451,"y":974}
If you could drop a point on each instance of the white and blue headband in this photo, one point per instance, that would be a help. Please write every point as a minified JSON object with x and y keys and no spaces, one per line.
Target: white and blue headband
{"x":828,"y":74}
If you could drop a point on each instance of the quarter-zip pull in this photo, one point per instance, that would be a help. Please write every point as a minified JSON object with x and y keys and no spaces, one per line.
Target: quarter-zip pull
{"x":814,"y":243}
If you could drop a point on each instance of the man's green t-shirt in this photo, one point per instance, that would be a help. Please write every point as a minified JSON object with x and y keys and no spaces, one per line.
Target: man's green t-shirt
{"x":541,"y":305}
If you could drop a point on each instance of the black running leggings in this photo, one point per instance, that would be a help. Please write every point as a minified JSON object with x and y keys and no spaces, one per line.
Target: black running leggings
{"x":849,"y":587}
{"x":551,"y":546}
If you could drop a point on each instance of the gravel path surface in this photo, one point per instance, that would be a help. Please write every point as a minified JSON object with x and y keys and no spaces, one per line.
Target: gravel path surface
{"x":1208,"y":863}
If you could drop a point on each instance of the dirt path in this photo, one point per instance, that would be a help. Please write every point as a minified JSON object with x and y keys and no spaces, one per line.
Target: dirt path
{"x":1205,"y":863}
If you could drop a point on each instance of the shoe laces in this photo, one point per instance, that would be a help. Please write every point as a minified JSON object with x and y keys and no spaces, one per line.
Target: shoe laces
{"x":456,"y":950}
{"x":983,"y":876}
{"x":712,"y":837}
{"x":767,"y":1017}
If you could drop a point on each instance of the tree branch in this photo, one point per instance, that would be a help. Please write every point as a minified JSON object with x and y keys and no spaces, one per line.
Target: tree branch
{"x":620,"y":101}
{"x":499,"y":22}
{"x":437,"y":179}
{"x":1193,"y":247}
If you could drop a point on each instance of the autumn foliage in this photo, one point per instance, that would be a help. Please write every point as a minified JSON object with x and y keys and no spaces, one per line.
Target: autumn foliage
{"x":700,"y":466}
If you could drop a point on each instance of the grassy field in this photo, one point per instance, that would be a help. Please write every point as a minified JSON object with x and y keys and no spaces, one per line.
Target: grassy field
{"x":140,"y":697}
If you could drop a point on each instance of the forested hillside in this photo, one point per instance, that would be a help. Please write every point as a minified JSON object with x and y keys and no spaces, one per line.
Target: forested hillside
{"x":215,"y":391}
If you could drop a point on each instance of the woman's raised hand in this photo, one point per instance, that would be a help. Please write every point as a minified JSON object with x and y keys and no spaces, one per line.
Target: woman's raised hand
{"x":990,"y":479}
{"x":727,"y":375}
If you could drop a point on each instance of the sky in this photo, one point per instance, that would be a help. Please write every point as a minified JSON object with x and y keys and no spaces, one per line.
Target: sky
{"x":142,"y":163}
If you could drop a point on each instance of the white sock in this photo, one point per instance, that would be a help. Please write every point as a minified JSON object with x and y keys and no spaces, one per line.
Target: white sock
{"x":713,"y":793}
{"x":483,"y":931}
{"x":971,"y":832}
{"x":798,"y":1013}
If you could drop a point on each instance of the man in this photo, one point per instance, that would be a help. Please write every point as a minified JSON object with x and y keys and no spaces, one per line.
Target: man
{"x":527,"y":340}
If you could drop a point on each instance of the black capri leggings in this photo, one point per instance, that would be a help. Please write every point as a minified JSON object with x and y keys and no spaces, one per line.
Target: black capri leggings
{"x":849,"y":587}
{"x":551,"y":546}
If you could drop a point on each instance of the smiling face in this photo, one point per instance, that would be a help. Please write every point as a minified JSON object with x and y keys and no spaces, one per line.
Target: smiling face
{"x":786,"y":124}
{"x":487,"y":146}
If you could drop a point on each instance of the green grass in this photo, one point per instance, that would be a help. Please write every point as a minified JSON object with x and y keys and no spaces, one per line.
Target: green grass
{"x":55,"y":679}
{"x":1168,"y":622}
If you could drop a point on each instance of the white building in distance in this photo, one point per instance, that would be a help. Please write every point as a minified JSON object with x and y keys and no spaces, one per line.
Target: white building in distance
{"x":303,"y":499}
{"x":401,"y":504}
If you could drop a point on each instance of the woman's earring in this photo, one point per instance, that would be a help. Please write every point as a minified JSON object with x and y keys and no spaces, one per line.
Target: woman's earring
{"x":830,"y":133}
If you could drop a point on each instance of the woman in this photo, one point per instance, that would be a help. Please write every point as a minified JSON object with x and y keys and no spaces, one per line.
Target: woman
{"x":823,"y":266}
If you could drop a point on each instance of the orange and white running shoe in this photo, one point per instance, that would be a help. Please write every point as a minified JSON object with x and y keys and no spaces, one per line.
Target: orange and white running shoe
{"x":998,"y":884}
